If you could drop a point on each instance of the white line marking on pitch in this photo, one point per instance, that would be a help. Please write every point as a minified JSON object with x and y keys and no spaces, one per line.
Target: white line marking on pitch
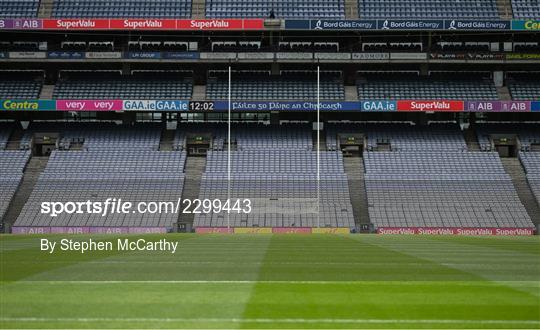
{"x":470,"y":283}
{"x":262,"y":320}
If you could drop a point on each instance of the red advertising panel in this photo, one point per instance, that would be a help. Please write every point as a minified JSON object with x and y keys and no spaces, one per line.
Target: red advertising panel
{"x":143,"y":24}
{"x":253,"y":24}
{"x":75,"y":24}
{"x":209,"y":24}
{"x":456,"y":231}
{"x":424,"y":106}
{"x":291,"y":230}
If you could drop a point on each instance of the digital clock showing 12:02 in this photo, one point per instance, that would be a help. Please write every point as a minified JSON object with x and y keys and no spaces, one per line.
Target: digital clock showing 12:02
{"x":201,"y":106}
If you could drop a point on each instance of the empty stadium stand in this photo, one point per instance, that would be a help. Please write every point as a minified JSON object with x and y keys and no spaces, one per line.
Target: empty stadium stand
{"x":386,"y":9}
{"x":116,"y":162}
{"x":276,"y":169}
{"x":435,"y":87}
{"x":139,"y":86}
{"x":121,"y":9}
{"x":275,"y":9}
{"x":18,"y":8}
{"x":12,"y":164}
{"x":284,"y":87}
{"x":524,"y":86}
{"x":20,"y":84}
{"x":526,"y":9}
{"x":441,"y":189}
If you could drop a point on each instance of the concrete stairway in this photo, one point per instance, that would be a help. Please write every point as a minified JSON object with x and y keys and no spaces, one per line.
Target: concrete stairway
{"x":351,"y":93}
{"x":198,"y":9}
{"x":199,"y":93}
{"x":351,"y":9}
{"x":166,"y":142}
{"x":354,"y":167}
{"x":195,"y":167}
{"x":46,"y":92}
{"x":504,"y":93}
{"x":14,"y":141}
{"x":514,"y":168}
{"x":504,"y":7}
{"x":45,"y":8}
{"x":33,"y":169}
{"x":472,"y":140}
{"x":322,"y":141}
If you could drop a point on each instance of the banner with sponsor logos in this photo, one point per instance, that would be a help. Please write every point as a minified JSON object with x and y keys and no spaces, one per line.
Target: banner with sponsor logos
{"x":521,"y":57}
{"x":155,"y":105}
{"x":526,"y":25}
{"x":258,"y":24}
{"x":89,"y":105}
{"x":286,"y":106}
{"x":28,"y":105}
{"x":132,"y":24}
{"x":430,"y":106}
{"x":456,"y":231}
{"x":88,"y":230}
{"x":497,"y":106}
{"x":378,"y":106}
{"x":267,"y":106}
{"x":411,"y":24}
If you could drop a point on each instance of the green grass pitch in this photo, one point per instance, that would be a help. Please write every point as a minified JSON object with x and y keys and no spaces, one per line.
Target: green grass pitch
{"x":276,"y":281}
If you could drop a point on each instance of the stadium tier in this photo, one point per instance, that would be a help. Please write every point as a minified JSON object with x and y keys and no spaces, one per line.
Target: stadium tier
{"x":483,"y":9}
{"x":18,"y":8}
{"x":275,"y":9}
{"x":524,"y":9}
{"x":524,"y":86}
{"x":275,"y":88}
{"x":87,"y":86}
{"x":118,"y":162}
{"x":413,"y":86}
{"x":436,"y":189}
{"x":12,"y":164}
{"x":20,"y":84}
{"x":282,"y":186}
{"x":122,"y":9}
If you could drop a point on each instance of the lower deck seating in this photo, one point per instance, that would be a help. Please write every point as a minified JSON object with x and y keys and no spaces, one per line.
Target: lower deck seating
{"x":282,"y":186}
{"x":531,"y":162}
{"x":130,"y":175}
{"x":12,"y":164}
{"x":435,"y":189}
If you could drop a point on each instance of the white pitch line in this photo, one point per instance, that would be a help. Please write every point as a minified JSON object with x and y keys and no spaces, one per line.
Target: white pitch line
{"x":347,"y":282}
{"x":264,"y":320}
